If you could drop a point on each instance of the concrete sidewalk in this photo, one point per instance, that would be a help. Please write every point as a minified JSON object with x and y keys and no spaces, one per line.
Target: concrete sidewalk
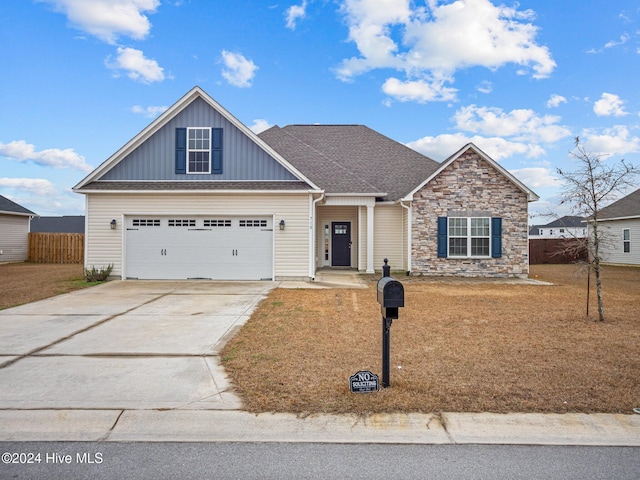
{"x":139,"y":361}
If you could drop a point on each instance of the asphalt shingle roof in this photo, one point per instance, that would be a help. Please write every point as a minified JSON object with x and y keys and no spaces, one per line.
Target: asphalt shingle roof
{"x":628,"y":206}
{"x":9,"y":206}
{"x":64,"y":224}
{"x":351,"y":159}
{"x":566,"y":221}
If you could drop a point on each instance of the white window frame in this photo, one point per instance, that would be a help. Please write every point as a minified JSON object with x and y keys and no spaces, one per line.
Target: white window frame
{"x":626,"y":242}
{"x":468,"y":236}
{"x":198,"y":149}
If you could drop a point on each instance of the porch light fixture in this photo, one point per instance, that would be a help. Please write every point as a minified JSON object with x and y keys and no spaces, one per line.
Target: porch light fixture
{"x":281,"y":224}
{"x":113,"y":224}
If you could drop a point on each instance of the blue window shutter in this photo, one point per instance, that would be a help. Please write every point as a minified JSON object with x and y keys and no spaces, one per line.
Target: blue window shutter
{"x":216,"y":150}
{"x":496,"y":237}
{"x":442,"y":237}
{"x":181,"y":150}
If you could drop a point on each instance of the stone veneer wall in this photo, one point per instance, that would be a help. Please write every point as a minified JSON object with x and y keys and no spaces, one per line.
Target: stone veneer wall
{"x":470,"y":187}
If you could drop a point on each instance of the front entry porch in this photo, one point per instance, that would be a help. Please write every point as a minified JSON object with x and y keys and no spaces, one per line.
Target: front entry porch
{"x":344,"y":234}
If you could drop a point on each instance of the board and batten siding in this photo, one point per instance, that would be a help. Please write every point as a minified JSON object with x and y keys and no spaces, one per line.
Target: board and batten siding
{"x":14,"y":238}
{"x":388,"y":236}
{"x":242,"y":158}
{"x":104,"y":246}
{"x":612,"y":248}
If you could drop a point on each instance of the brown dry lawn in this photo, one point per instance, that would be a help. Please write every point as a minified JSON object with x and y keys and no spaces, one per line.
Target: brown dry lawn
{"x":458,"y":346}
{"x":27,"y":282}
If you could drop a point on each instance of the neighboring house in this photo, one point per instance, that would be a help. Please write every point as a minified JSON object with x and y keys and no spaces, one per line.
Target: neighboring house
{"x":564,"y":227}
{"x":197,"y":194}
{"x":64,"y":224}
{"x":621,"y":224}
{"x":14,"y":231}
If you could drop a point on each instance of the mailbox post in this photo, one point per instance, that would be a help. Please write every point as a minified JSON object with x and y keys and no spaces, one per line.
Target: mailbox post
{"x":390,"y":298}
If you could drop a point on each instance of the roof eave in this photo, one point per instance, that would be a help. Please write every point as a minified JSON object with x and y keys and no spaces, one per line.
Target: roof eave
{"x":356,"y":194}
{"x":630,"y":217}
{"x":20,"y":214}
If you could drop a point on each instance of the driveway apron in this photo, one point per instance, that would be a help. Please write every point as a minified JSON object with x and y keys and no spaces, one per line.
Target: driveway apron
{"x":124,"y":345}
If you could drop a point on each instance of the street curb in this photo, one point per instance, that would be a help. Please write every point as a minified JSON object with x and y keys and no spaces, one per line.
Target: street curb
{"x":240,"y":426}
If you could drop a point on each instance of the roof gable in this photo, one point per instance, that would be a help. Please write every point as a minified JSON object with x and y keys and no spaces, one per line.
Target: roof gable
{"x":626,"y":207}
{"x":12,"y":208}
{"x":531,"y":196}
{"x":150,"y":155}
{"x":351,"y":159}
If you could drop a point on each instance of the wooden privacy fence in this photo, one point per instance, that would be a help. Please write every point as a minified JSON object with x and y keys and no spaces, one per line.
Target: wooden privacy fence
{"x":56,"y":247}
{"x":554,"y":250}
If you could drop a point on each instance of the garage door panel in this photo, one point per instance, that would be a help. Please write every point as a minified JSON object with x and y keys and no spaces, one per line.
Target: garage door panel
{"x":231,"y":249}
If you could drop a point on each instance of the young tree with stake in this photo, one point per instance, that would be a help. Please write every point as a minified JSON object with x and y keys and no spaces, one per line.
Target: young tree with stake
{"x":589,"y":188}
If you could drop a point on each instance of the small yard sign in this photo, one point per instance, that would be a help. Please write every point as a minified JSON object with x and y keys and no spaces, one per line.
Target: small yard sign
{"x":364,"y":382}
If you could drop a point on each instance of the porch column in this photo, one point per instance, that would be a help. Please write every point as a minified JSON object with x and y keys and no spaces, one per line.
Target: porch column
{"x":370,"y":267}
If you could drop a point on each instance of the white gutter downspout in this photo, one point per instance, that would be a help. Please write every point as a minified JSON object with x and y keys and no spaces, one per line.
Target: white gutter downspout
{"x":312,"y":236}
{"x":409,"y":244}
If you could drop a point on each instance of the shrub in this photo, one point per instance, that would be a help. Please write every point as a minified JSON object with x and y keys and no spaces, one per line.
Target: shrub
{"x":94,"y":274}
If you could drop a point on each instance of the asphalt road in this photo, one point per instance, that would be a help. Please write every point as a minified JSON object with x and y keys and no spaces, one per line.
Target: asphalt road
{"x":95,"y":461}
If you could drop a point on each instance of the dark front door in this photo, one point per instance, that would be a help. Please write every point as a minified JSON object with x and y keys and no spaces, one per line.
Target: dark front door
{"x":340,"y":244}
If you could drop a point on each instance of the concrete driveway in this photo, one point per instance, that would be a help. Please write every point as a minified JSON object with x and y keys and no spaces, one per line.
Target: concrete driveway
{"x":124,"y":345}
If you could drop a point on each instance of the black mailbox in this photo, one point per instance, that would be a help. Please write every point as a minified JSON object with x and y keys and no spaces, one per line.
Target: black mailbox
{"x":390,"y":296}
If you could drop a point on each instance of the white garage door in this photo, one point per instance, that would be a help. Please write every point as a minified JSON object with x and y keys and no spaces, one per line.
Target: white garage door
{"x":190,"y":247}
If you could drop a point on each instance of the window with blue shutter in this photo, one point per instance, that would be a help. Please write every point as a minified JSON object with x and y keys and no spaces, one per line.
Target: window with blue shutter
{"x":469,"y":237}
{"x":181,"y":150}
{"x":199,"y":150}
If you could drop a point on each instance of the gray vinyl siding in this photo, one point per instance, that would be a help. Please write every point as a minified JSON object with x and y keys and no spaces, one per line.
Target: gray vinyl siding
{"x":612,"y":247}
{"x":14,"y":238}
{"x":243,"y":159}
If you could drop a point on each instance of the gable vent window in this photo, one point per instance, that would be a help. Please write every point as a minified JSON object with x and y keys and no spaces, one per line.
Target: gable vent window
{"x":217,"y":223}
{"x":146,"y":222}
{"x":253,"y":223}
{"x":182,"y":223}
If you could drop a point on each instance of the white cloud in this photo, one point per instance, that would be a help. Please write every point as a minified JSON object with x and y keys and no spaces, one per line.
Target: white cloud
{"x":443,"y":146}
{"x":37,"y":186}
{"x":433,"y":42}
{"x":53,"y":157}
{"x":138,"y":67}
{"x":536,"y":177}
{"x":555,"y":100}
{"x":485,"y":87}
{"x":108,"y":19}
{"x":522,"y":124}
{"x":151,"y":111}
{"x":238,"y":70}
{"x":615,"y":141}
{"x":624,"y":38}
{"x":420,"y":91}
{"x":295,"y":13}
{"x":260,"y":125}
{"x":609,"y":104}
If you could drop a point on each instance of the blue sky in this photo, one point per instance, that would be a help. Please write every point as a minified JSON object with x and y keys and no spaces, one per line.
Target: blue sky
{"x":519,"y":79}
